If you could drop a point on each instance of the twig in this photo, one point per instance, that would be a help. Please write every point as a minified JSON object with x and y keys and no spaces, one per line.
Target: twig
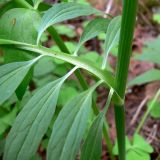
{"x":139,"y":110}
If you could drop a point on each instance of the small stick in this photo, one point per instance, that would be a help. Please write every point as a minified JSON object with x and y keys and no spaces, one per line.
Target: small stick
{"x":139,"y":110}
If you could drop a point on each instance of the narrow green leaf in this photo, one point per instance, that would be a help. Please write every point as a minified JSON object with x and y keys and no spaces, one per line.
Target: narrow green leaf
{"x":33,"y":121}
{"x":93,"y":28}
{"x":11,"y":75}
{"x":69,"y":128}
{"x":20,"y":24}
{"x":149,"y":76}
{"x":92,"y":147}
{"x":64,"y":11}
{"x":112,"y":37}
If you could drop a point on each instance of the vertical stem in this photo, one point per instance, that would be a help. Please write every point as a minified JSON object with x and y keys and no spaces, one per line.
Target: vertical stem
{"x":124,"y":52}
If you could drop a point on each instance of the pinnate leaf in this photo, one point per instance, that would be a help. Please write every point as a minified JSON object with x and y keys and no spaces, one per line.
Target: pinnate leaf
{"x":64,"y":11}
{"x":69,"y":128}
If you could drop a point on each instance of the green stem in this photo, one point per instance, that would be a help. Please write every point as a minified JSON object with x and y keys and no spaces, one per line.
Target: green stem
{"x":124,"y":52}
{"x":24,"y":4}
{"x":147,"y":112}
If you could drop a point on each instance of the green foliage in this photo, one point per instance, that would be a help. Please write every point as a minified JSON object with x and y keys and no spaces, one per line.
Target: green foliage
{"x":138,"y":148}
{"x":36,"y":3}
{"x":112,"y":37}
{"x":32,"y":122}
{"x":149,"y":76}
{"x":65,"y":30}
{"x":64,"y":11}
{"x":6,"y":119}
{"x":156,"y":17}
{"x":92,"y":29}
{"x":150,"y":109}
{"x":14,"y":22}
{"x":64,"y":127}
{"x":67,"y":93}
{"x":151,"y":52}
{"x":69,"y":128}
{"x":92,"y":147}
{"x":29,"y":130}
{"x":155,"y":111}
{"x":94,"y":57}
{"x":11,"y":76}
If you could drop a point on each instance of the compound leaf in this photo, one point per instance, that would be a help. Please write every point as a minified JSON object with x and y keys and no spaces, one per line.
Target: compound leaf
{"x":64,"y":11}
{"x":69,"y":128}
{"x":92,"y":146}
